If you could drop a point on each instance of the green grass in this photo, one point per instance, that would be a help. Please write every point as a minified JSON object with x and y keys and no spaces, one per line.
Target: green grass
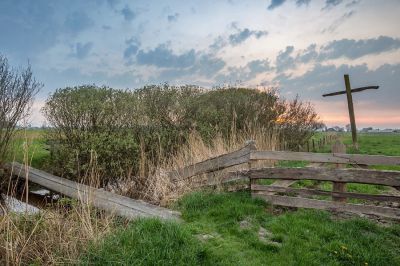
{"x":372,"y":144}
{"x":384,"y":144}
{"x":147,"y":242}
{"x":376,"y":144}
{"x":212,"y":234}
{"x":31,"y":143}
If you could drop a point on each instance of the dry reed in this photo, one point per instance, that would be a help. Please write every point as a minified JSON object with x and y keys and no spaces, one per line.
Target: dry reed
{"x":160,"y":190}
{"x":55,"y":235}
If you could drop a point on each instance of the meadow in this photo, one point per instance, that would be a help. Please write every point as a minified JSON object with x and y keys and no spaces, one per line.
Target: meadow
{"x":221,"y":228}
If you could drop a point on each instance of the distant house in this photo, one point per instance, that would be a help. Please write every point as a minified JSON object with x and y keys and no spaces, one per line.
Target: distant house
{"x":366,"y":129}
{"x":335,"y":129}
{"x":387,"y":130}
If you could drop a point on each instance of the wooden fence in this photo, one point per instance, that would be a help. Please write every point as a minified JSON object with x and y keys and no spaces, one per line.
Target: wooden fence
{"x":279,"y":192}
{"x":108,"y":201}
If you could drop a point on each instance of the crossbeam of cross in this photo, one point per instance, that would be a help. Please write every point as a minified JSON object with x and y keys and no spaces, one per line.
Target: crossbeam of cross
{"x":349,"y":93}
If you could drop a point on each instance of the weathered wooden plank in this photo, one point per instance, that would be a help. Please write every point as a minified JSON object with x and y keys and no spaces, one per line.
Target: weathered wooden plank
{"x":108,"y":201}
{"x":377,"y":177}
{"x":326,"y":157}
{"x":393,"y":213}
{"x":317,"y":192}
{"x":214,"y":164}
{"x":339,"y":147}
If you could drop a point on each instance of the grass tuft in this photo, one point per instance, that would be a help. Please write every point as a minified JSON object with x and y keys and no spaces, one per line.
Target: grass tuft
{"x":147,"y":242}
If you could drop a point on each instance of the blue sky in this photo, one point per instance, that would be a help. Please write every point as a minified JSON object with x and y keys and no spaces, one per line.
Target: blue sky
{"x":298,"y":46}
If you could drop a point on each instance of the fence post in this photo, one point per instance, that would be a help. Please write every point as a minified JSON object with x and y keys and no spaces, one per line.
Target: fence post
{"x":339,"y":147}
{"x":250,"y":164}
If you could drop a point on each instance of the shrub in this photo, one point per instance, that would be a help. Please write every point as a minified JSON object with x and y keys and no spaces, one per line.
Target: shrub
{"x":17,"y":90}
{"x":122,"y":131}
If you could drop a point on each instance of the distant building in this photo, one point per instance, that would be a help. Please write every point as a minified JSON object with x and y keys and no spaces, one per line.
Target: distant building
{"x":335,"y":129}
{"x":366,"y":129}
{"x":387,"y":130}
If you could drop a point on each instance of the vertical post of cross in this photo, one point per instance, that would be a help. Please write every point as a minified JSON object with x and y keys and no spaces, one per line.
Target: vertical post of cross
{"x":351,"y":110}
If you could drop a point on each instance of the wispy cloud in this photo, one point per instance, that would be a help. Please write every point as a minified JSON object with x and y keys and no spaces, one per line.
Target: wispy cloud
{"x":128,"y":13}
{"x":244,"y":34}
{"x":173,"y":17}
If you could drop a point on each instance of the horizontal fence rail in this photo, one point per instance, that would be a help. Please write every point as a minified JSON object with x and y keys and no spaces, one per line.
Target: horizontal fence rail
{"x":280,"y":192}
{"x":388,"y":212}
{"x":364,"y":176}
{"x":214,"y":164}
{"x":326,"y":157}
{"x":285,"y":196}
{"x":318,"y":192}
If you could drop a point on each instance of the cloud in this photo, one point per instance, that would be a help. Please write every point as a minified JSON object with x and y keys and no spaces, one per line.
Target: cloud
{"x":284,"y":60}
{"x":131,"y":50}
{"x":353,"y":49}
{"x":336,"y":23}
{"x":353,"y":3}
{"x":112,"y":3}
{"x":308,"y":54}
{"x":332,"y":3}
{"x":30,"y":23}
{"x":81,"y":50}
{"x":243,"y":35}
{"x":207,"y":65}
{"x":162,"y":56}
{"x":302,"y":2}
{"x":258,"y":66}
{"x":128,"y":13}
{"x":275,"y":3}
{"x":173,"y":17}
{"x":329,"y":78}
{"x":218,"y":44}
{"x":344,"y":48}
{"x":78,"y":21}
{"x":244,"y":74}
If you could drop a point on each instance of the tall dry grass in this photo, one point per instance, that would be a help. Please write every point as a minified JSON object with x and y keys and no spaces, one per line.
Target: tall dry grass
{"x":56,"y":234}
{"x":160,"y":190}
{"x":52,"y":236}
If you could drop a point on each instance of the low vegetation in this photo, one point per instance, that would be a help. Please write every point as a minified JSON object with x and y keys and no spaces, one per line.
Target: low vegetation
{"x":127,"y":141}
{"x":17,"y":90}
{"x":53,"y":236}
{"x":125,"y":130}
{"x":233,"y":229}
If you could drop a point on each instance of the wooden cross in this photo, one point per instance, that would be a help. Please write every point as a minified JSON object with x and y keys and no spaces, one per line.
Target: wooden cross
{"x":349,"y":92}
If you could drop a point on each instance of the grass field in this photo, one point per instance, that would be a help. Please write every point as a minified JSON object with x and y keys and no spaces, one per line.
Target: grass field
{"x":30,"y":144}
{"x":233,"y":229}
{"x":376,"y":144}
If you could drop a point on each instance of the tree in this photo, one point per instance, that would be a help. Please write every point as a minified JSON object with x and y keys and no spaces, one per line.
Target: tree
{"x":17,"y":90}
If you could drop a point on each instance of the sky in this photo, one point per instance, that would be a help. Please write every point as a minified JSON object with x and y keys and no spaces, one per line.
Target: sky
{"x":300,"y":47}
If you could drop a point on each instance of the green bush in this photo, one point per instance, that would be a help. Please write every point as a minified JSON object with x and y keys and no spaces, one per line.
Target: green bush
{"x":119,"y":130}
